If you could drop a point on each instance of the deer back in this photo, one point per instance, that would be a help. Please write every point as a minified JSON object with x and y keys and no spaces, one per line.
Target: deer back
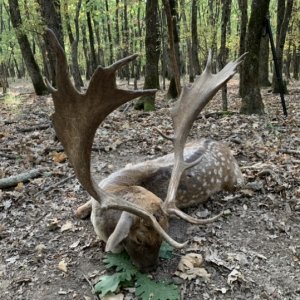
{"x":218,"y":170}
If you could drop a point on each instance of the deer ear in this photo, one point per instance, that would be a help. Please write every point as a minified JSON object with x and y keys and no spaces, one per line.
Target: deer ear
{"x":120,"y":233}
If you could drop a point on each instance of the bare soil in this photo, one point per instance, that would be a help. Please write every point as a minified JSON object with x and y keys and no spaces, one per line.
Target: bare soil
{"x":258,"y":240}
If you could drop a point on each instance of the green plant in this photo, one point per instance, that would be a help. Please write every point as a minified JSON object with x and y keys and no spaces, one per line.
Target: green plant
{"x":128,"y":275}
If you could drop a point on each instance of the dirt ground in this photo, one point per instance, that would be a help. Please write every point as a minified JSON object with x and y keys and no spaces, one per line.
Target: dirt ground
{"x":253,"y":252}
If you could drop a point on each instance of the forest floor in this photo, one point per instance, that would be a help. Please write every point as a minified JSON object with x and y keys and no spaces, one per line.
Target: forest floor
{"x":251,"y":253}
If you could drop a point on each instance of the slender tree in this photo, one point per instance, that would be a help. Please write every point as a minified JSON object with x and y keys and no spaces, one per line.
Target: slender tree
{"x":264,"y":60}
{"x":195,"y":42}
{"x":50,"y":11}
{"x":93,"y":57}
{"x":226,"y":9}
{"x":74,"y":44}
{"x":171,"y":14}
{"x":243,"y":6}
{"x":31,"y":65}
{"x":152,"y":45}
{"x":249,"y":83}
{"x":284,"y":12}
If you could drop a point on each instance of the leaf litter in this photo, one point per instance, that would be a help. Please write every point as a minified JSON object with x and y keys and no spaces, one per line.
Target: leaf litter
{"x":259,"y":238}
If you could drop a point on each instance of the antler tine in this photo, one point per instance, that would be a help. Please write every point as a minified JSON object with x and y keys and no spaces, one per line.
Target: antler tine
{"x":192,"y":100}
{"x":62,"y":75}
{"x":77,"y":117}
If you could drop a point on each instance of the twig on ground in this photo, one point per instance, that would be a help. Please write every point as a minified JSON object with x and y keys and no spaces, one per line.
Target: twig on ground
{"x":53,"y":186}
{"x":23,"y":177}
{"x":9,"y":156}
{"x":91,"y":285}
{"x":34,"y":128}
{"x":289,"y":151}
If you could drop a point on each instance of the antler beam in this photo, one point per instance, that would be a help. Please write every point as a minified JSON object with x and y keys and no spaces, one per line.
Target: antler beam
{"x":77,"y":117}
{"x":192,"y":100}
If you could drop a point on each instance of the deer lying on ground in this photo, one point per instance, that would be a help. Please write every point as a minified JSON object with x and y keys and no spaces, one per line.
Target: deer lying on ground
{"x":127,"y":210}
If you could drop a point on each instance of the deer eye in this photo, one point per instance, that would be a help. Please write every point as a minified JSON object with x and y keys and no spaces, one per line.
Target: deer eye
{"x":138,"y":240}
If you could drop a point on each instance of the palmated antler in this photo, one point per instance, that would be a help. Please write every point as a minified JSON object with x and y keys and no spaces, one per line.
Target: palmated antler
{"x":77,"y":117}
{"x":192,"y":100}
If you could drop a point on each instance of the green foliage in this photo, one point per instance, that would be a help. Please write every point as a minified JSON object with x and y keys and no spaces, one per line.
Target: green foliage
{"x":148,"y":289}
{"x":109,"y":283}
{"x":121,"y":262}
{"x":166,"y":250}
{"x":128,"y":275}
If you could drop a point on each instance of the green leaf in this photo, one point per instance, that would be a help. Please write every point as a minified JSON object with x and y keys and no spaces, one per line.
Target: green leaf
{"x":121,"y":262}
{"x":108,"y":284}
{"x":166,"y":251}
{"x":148,"y":289}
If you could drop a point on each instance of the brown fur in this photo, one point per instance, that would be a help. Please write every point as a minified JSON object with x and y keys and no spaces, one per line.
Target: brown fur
{"x":141,"y":183}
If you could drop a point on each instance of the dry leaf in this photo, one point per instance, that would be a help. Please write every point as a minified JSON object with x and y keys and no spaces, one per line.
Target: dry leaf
{"x":235,"y":275}
{"x":20,"y":186}
{"x":59,"y":157}
{"x":40,"y":248}
{"x":247,"y":192}
{"x":62,"y":266}
{"x":53,"y":225}
{"x":75,"y":244}
{"x":190,"y":267}
{"x":113,"y":297}
{"x":67,"y":226}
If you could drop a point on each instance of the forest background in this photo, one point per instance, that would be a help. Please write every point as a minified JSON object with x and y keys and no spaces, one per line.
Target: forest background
{"x":94,"y":32}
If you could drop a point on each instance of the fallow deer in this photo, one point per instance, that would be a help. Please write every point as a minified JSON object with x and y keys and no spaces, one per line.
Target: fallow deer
{"x":127,"y":211}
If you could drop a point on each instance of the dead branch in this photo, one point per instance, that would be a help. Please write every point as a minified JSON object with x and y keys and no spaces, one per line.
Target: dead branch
{"x":34,"y":128}
{"x":9,"y":156}
{"x":289,"y":151}
{"x":23,"y":177}
{"x":53,"y":186}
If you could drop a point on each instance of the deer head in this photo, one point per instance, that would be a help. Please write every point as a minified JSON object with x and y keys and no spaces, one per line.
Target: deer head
{"x":142,"y":224}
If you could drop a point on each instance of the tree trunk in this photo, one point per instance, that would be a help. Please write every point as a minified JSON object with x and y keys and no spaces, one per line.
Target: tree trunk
{"x":188,"y":41}
{"x":195,"y":42}
{"x":32,"y":67}
{"x":50,"y":11}
{"x":284,"y":13}
{"x":74,"y":45}
{"x":243,"y":5}
{"x":213,"y":21}
{"x":93,"y":60}
{"x":296,"y":59}
{"x":111,"y":53}
{"x":264,"y":61}
{"x":251,"y":98}
{"x":223,"y":56}
{"x":126,"y":72}
{"x":152,"y":45}
{"x":89,"y":69}
{"x":171,"y":14}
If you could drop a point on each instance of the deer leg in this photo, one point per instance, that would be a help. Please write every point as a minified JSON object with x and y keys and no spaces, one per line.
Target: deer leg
{"x":83,"y":211}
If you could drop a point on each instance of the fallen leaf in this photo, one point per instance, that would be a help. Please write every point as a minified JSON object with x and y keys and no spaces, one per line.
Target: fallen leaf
{"x":40,"y":248}
{"x":113,"y":297}
{"x":75,"y":244}
{"x":20,"y":186}
{"x":62,"y":266}
{"x":235,"y":275}
{"x":190,"y":267}
{"x":53,"y":224}
{"x":59,"y":157}
{"x":247,"y":192}
{"x":67,"y":226}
